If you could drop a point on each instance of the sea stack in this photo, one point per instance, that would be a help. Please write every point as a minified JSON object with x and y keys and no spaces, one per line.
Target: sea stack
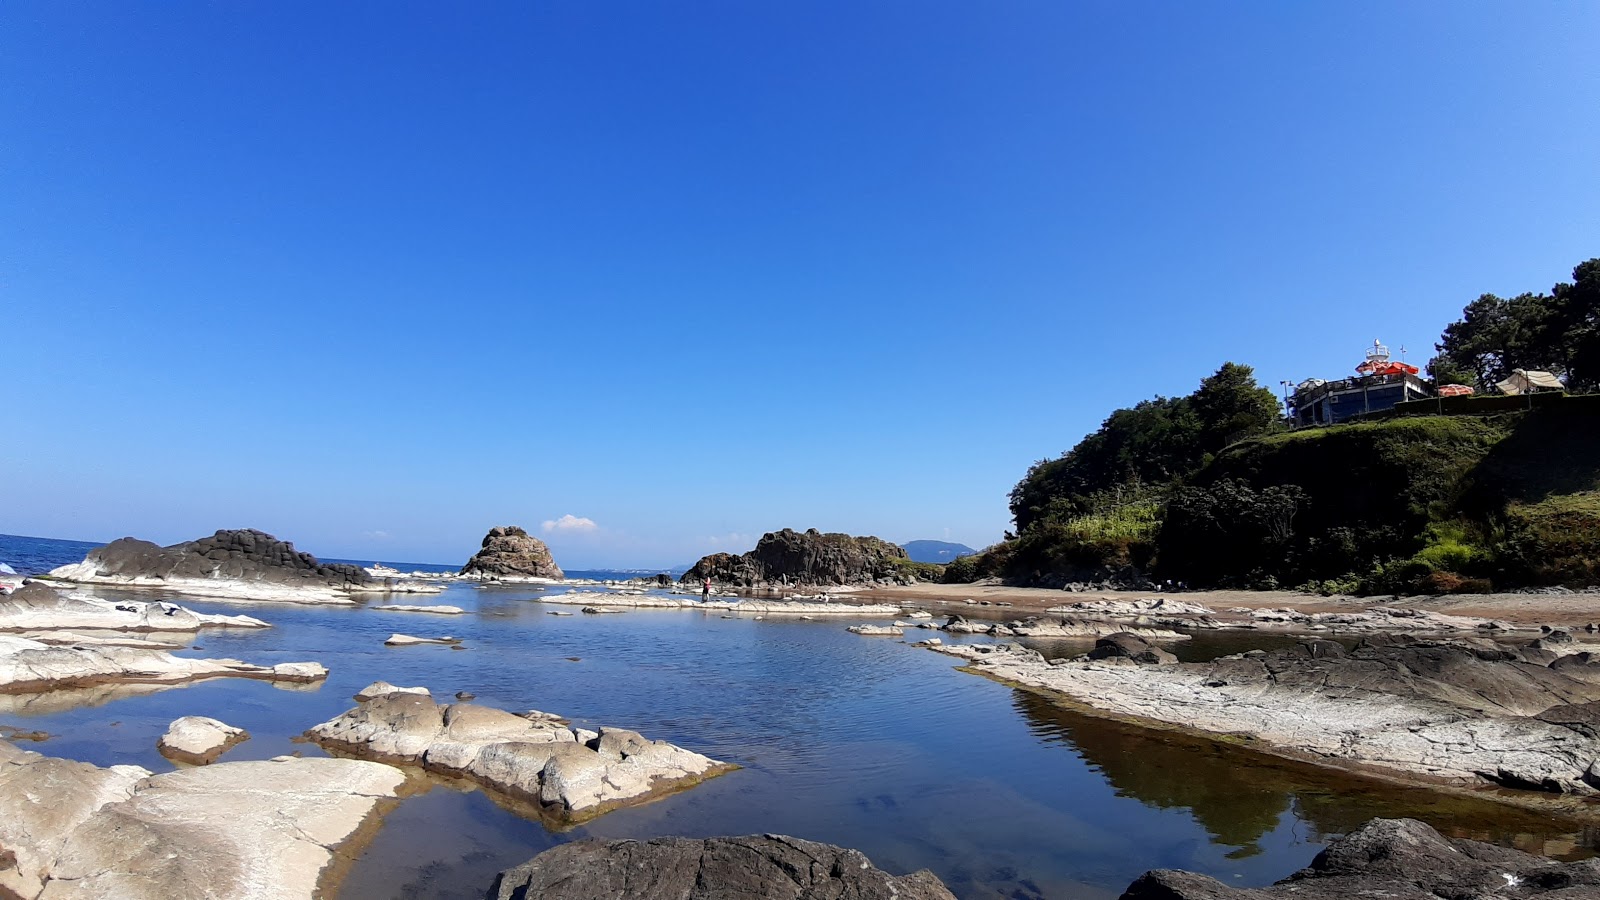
{"x":789,"y":557}
{"x":510,"y":552}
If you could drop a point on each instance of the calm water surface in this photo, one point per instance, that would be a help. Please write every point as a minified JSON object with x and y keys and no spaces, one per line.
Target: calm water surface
{"x":862,"y":742}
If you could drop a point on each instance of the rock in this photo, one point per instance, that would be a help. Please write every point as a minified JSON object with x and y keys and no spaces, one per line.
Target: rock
{"x":795,"y":607}
{"x":198,"y":740}
{"x":38,"y":607}
{"x":510,"y":552}
{"x":876,"y":630}
{"x":240,"y":564}
{"x":248,"y":830}
{"x":1123,"y":645}
{"x":27,"y":665}
{"x":598,"y":610}
{"x":755,"y":867}
{"x":466,"y":695}
{"x":406,"y":640}
{"x":1463,"y":710}
{"x":381,"y":688}
{"x":789,"y":557}
{"x":436,"y":610}
{"x":537,"y":759}
{"x":1401,"y":859}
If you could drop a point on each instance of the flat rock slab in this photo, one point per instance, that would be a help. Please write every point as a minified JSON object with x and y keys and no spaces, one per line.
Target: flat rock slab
{"x":569,"y":775}
{"x":757,"y":867}
{"x":380,"y":688}
{"x":406,"y":640}
{"x":33,"y":666}
{"x":436,"y":610}
{"x":1451,"y":710}
{"x":199,"y":740}
{"x":1060,"y":627}
{"x":876,"y":630}
{"x":40,"y":607}
{"x":241,"y":830}
{"x":1394,"y":859}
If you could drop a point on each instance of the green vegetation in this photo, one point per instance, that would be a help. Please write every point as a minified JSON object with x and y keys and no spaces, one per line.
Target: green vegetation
{"x":911,"y":571}
{"x":1208,"y":488}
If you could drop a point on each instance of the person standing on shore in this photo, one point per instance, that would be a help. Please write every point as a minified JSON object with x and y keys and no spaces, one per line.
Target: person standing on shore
{"x":705,"y":590}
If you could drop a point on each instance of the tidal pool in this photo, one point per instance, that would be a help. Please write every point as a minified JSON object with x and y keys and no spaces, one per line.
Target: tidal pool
{"x":863,"y":742}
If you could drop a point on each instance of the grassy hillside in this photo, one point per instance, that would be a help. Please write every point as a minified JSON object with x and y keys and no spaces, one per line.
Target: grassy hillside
{"x":1427,"y":503}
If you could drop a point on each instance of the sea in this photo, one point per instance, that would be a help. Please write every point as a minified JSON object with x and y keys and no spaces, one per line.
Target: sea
{"x":862,"y":742}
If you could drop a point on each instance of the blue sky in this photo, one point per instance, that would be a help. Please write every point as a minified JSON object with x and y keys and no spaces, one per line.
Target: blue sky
{"x":376,"y":276}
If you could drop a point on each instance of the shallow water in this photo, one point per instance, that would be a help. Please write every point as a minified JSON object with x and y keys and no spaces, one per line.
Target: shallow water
{"x":864,"y":742}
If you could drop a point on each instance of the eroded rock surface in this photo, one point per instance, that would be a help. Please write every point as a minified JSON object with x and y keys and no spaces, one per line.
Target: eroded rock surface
{"x":1456,"y":710}
{"x":756,"y":867}
{"x":510,"y":552}
{"x":1125,"y":645}
{"x":876,"y":630}
{"x":39,"y":607}
{"x":241,"y":830}
{"x":535,"y":757}
{"x":199,"y":740}
{"x":1396,"y":859}
{"x":722,"y":604}
{"x":789,"y":557}
{"x":27,"y":665}
{"x":1058,"y":627}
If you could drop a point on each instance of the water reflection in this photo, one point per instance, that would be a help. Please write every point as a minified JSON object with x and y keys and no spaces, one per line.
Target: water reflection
{"x":1238,"y":796}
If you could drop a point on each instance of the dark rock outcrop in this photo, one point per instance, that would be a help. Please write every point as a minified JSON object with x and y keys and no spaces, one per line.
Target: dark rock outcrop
{"x":1398,"y":859}
{"x":242,"y":554}
{"x":789,"y":557}
{"x":756,"y":867}
{"x":509,"y":551}
{"x":1124,"y":645}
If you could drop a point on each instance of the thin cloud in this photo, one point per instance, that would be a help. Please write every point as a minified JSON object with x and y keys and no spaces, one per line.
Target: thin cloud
{"x":570,"y":523}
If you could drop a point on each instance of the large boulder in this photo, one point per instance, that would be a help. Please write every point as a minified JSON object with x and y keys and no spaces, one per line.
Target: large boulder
{"x":568,"y":774}
{"x":789,"y":557}
{"x":756,"y":867}
{"x":238,"y":557}
{"x":510,"y":552}
{"x":1397,"y":859}
{"x":1126,"y":645}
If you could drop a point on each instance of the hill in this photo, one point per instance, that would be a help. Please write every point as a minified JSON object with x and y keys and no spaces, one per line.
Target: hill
{"x":936,"y":551}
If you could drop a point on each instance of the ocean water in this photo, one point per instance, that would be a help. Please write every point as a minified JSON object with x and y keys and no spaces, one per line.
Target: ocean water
{"x":863,"y":742}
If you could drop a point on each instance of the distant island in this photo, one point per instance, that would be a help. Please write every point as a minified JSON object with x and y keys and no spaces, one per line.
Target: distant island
{"x":936,"y":551}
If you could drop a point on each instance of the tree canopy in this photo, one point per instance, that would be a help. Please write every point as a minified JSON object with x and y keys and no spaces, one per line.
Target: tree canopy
{"x":1558,"y":332}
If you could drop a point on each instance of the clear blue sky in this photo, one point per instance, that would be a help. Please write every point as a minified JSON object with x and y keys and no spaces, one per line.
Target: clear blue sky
{"x":376,"y":276}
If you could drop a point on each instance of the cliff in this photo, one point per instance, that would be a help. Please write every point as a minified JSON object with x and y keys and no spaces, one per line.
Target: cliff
{"x":789,"y":557}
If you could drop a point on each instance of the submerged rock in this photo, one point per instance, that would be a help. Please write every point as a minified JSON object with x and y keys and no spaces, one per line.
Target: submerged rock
{"x":199,"y":740}
{"x":241,"y":830}
{"x":242,"y":563}
{"x":33,"y":666}
{"x":406,"y":640}
{"x":510,"y":552}
{"x":756,"y":867}
{"x":535,"y":757}
{"x":1401,"y":859}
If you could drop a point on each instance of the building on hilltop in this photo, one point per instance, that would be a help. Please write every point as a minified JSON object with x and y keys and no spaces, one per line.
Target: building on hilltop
{"x":1379,"y":384}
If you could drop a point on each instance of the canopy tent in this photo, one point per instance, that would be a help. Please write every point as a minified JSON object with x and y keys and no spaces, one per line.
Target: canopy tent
{"x":1527,"y":381}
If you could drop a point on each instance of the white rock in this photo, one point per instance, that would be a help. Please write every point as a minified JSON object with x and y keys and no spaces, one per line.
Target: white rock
{"x":380,"y":688}
{"x":437,"y":610}
{"x":406,"y":640}
{"x":876,"y":630}
{"x":199,"y":740}
{"x":30,"y":665}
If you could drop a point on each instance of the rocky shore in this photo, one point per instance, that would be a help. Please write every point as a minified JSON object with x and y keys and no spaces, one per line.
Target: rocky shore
{"x":241,"y":830}
{"x":1398,"y":859}
{"x":755,"y":867}
{"x":720,"y":604}
{"x":30,"y":666}
{"x":569,"y":774}
{"x":39,"y":607}
{"x":239,"y":564}
{"x":1444,"y":711}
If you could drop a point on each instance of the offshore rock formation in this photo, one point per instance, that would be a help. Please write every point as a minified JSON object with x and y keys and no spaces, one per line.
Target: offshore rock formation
{"x":242,"y":563}
{"x":789,"y":557}
{"x":572,"y":775}
{"x":242,"y":830}
{"x":1465,"y":711}
{"x":756,"y":867}
{"x":1399,"y":859}
{"x":511,"y":553}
